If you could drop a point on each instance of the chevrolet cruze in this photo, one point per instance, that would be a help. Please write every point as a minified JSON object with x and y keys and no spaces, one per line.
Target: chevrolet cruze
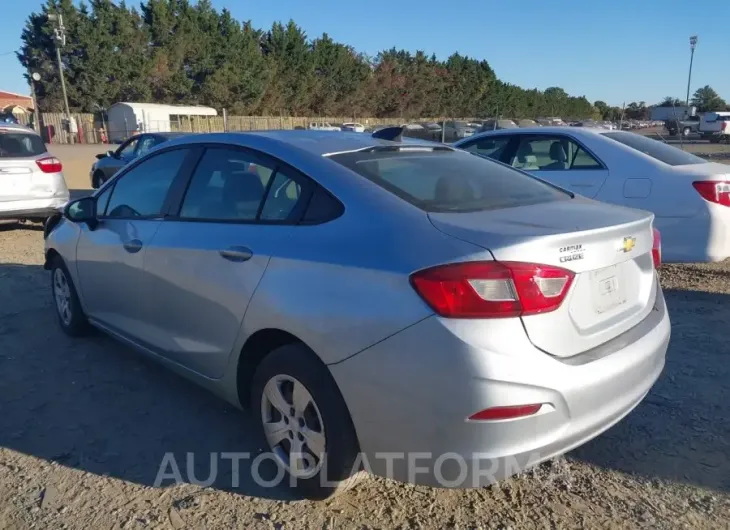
{"x":371,"y":298}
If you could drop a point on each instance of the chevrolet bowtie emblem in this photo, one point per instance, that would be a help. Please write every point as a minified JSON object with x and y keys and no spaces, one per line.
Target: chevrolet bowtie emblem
{"x":628,"y":244}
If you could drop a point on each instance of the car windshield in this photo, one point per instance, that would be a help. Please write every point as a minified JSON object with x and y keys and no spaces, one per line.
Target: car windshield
{"x":20,"y":144}
{"x":448,"y":181}
{"x":460,"y":124}
{"x":658,"y":150}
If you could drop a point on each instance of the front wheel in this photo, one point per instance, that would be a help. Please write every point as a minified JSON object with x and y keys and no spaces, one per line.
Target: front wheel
{"x":305,"y":422}
{"x":68,"y":308}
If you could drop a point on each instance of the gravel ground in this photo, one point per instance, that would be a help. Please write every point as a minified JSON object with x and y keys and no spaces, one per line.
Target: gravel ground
{"x":84,"y":426}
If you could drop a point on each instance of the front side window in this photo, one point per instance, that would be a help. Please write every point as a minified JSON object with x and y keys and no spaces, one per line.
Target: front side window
{"x":449,"y":181}
{"x":658,"y":150}
{"x":228,"y":185}
{"x":552,"y":153}
{"x":141,"y":191}
{"x":491,"y":147}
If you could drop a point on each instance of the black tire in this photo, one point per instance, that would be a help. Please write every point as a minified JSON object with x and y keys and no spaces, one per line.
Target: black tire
{"x":97,"y":180}
{"x":338,"y":472}
{"x":76,"y":325}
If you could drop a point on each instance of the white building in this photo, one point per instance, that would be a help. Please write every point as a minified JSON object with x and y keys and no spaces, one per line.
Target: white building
{"x":126,"y":119}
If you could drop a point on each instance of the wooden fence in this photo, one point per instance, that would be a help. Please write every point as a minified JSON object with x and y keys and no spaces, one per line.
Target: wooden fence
{"x":92,"y":128}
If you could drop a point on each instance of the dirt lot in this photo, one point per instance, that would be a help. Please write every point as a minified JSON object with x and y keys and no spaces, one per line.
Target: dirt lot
{"x":84,"y":425}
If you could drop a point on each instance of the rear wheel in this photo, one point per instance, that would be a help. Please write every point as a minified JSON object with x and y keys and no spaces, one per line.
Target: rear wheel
{"x":68,"y":308}
{"x":305,"y":422}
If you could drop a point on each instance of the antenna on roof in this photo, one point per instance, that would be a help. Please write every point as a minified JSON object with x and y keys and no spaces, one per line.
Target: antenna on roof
{"x":393,"y":134}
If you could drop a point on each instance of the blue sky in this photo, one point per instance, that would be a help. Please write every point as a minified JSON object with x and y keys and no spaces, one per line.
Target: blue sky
{"x":613,"y":50}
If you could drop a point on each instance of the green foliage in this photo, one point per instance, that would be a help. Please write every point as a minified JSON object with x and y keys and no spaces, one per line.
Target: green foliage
{"x":188,"y":52}
{"x":669,"y":101}
{"x":707,"y":100}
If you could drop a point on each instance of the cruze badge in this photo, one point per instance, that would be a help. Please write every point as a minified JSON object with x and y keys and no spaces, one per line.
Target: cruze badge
{"x":628,"y":244}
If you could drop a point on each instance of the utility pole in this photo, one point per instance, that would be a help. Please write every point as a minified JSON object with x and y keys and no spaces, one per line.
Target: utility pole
{"x":33,"y":77}
{"x":692,"y":44}
{"x":59,"y":36}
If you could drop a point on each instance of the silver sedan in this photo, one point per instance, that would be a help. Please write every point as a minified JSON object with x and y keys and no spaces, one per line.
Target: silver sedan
{"x":387,"y":305}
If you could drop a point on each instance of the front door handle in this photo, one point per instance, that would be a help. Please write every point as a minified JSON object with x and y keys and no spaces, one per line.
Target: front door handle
{"x":236,"y":254}
{"x":132,"y":246}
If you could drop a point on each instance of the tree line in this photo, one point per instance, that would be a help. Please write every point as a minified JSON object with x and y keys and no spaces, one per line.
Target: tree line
{"x":186,"y":52}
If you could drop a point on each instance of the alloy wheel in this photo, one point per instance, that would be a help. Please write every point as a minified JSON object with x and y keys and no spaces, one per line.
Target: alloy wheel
{"x":62,"y":295}
{"x":293,"y":426}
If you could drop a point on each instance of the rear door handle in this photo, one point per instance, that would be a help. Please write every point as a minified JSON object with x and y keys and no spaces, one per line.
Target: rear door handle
{"x":133,"y":246}
{"x":237,"y":254}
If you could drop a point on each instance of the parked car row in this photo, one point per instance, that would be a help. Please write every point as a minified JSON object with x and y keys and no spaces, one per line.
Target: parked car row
{"x":230,"y":258}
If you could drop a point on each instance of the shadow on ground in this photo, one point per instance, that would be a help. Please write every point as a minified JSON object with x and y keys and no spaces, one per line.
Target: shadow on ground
{"x":93,"y":405}
{"x":681,"y":431}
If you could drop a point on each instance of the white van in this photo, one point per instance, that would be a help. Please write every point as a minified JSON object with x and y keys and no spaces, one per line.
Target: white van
{"x":716,"y":126}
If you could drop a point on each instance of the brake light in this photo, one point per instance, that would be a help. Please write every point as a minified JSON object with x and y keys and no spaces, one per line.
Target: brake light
{"x":656,"y":249}
{"x":492,"y":289}
{"x":724,"y":124}
{"x":506,"y":413}
{"x":49,"y":164}
{"x":714,"y":191}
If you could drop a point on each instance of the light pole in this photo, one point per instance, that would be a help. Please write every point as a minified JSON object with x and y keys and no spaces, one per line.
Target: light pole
{"x":692,"y":45}
{"x":59,"y":36}
{"x":35,"y":76}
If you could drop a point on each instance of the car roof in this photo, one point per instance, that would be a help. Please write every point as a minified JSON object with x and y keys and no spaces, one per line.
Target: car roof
{"x":169,"y":135}
{"x":311,"y":141}
{"x":575,"y":131}
{"x":16,"y":126}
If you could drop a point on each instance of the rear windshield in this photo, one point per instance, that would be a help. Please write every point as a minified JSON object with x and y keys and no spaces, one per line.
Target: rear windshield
{"x":448,"y":181}
{"x":20,"y":144}
{"x":655,"y":149}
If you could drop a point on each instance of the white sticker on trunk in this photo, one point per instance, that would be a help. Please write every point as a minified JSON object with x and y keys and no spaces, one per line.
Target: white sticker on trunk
{"x":571,"y":253}
{"x":608,"y":289}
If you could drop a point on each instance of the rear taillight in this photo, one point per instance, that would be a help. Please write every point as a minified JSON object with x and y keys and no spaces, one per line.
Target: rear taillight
{"x":656,"y":249}
{"x":49,"y":164}
{"x":714,"y":191}
{"x":492,"y":289}
{"x":722,"y":127}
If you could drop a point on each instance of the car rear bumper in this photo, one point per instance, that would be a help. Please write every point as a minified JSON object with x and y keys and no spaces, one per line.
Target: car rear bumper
{"x":410,"y":397}
{"x":36,"y":208}
{"x":702,"y":238}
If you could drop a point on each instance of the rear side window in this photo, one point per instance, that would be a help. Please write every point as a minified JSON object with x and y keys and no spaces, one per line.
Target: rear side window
{"x":658,"y":150}
{"x":447,"y":181}
{"x":20,"y":145}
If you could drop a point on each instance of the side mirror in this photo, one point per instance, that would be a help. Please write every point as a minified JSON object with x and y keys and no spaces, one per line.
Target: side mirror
{"x":102,"y":155}
{"x":82,"y":211}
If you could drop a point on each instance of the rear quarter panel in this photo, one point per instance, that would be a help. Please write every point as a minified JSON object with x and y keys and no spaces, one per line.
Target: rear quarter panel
{"x":344,"y":285}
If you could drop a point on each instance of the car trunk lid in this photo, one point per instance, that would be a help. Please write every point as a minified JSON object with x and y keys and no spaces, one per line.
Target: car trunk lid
{"x":16,"y":178}
{"x":608,"y":248}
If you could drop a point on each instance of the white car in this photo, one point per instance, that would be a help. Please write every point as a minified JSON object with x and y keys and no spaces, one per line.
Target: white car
{"x":353,"y":127}
{"x":31,"y":183}
{"x":322,"y":126}
{"x":689,"y":196}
